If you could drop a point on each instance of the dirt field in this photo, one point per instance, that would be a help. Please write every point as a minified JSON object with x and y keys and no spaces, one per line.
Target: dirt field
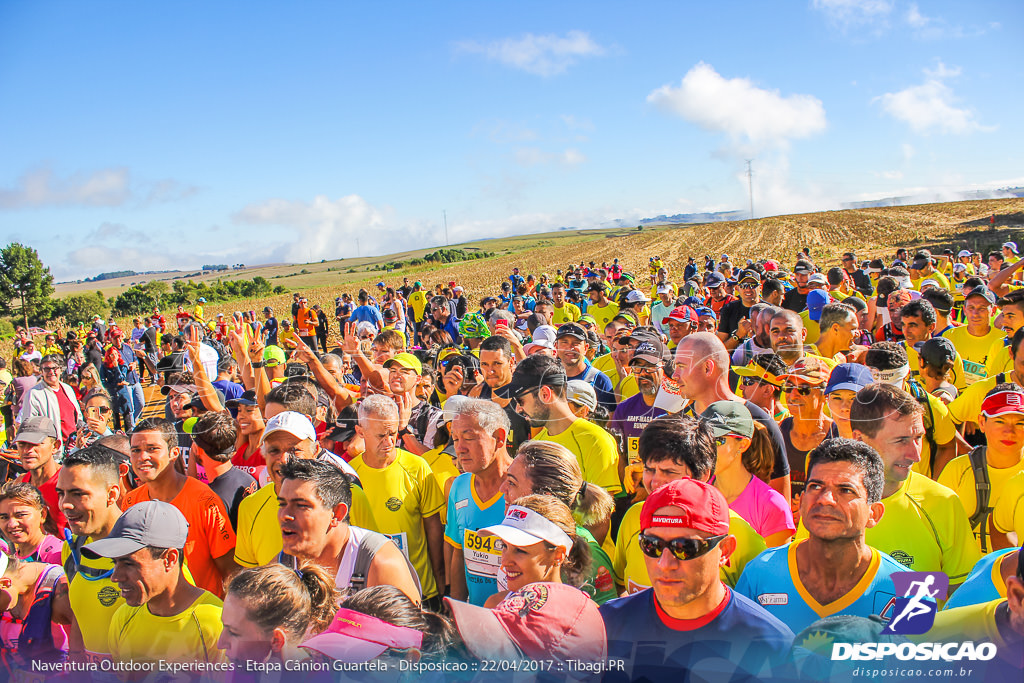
{"x":868,"y":232}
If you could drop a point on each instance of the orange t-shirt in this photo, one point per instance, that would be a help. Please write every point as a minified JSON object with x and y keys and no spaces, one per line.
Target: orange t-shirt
{"x":305,"y":322}
{"x":209,"y":530}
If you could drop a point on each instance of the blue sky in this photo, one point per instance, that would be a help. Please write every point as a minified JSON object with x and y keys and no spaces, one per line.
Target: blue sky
{"x":162,"y":135}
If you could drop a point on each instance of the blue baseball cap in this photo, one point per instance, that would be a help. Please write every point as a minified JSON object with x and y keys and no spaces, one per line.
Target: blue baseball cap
{"x":708,"y":311}
{"x":714,"y":280}
{"x":817,"y":299}
{"x":852,"y":376}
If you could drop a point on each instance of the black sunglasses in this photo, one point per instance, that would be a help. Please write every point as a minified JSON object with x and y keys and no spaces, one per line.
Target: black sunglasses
{"x":749,"y":285}
{"x":681,"y":548}
{"x":794,"y":389}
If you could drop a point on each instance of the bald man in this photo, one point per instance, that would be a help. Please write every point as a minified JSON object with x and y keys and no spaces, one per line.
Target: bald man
{"x":702,"y":373}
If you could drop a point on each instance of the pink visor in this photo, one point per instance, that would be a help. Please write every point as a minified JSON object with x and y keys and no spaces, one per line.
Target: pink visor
{"x":356,"y":637}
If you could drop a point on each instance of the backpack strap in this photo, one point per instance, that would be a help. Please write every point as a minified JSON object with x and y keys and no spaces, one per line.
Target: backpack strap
{"x":75,"y":544}
{"x":983,"y":492}
{"x":921,"y":396}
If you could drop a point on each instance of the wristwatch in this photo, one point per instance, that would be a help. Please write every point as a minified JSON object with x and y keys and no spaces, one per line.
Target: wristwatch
{"x":259,"y":363}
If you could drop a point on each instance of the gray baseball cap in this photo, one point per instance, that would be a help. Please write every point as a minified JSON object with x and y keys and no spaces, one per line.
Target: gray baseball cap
{"x":36,"y":429}
{"x":152,"y":523}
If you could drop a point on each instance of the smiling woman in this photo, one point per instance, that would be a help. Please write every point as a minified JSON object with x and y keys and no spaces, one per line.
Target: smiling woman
{"x":26,"y":525}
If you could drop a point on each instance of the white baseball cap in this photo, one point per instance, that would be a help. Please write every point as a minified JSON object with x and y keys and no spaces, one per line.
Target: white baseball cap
{"x":296,"y":424}
{"x":636,"y":296}
{"x":581,"y":393}
{"x":545,"y":333}
{"x":523,"y":527}
{"x":964,"y":253}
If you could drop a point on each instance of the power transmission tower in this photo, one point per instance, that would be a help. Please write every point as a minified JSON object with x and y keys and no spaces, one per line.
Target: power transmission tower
{"x":445,"y":214}
{"x":750,"y":185}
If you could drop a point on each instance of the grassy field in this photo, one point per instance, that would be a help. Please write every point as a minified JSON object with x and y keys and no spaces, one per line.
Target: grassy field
{"x":868,"y":232}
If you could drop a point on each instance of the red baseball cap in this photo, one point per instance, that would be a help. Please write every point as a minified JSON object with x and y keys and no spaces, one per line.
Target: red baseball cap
{"x":684,"y":314}
{"x":704,"y":507}
{"x":356,"y":637}
{"x":539,"y":621}
{"x":771,"y":265}
{"x":1003,"y":403}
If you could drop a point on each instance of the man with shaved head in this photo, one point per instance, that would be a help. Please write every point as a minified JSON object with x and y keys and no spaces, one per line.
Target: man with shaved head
{"x":787,"y":333}
{"x":702,"y":373}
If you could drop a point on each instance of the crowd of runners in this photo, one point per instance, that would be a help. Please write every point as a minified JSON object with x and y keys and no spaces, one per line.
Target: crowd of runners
{"x":715,"y":471}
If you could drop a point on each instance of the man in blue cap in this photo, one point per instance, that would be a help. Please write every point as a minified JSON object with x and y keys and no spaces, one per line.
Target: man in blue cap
{"x":844,"y":382}
{"x":817,"y":299}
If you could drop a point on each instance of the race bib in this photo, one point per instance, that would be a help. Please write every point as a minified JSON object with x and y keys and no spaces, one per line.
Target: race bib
{"x":401,"y":539}
{"x":482,"y":554}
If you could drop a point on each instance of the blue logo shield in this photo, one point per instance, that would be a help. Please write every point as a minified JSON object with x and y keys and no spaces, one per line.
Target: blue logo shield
{"x":918,"y":595}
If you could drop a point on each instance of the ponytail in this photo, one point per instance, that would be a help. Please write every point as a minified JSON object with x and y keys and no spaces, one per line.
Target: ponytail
{"x":296,"y":601}
{"x":759,"y":458}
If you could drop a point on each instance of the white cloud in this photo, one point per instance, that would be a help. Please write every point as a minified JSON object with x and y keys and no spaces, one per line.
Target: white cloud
{"x":324,"y":228}
{"x":937,"y":28}
{"x":908,"y":152}
{"x":849,"y":14}
{"x":750,"y":116}
{"x":541,"y":55}
{"x":41,"y":188}
{"x":931,"y":107}
{"x":533,"y":156}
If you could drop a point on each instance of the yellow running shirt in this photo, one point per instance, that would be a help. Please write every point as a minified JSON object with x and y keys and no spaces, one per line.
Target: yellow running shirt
{"x":93,"y":602}
{"x":418,"y":301}
{"x":401,"y":496}
{"x":631,"y":572}
{"x":999,"y":359}
{"x":606,"y":364}
{"x":259,"y":535}
{"x":137,"y":635}
{"x":972,"y":622}
{"x":568,"y":313}
{"x":973,"y":350}
{"x":603,"y":314}
{"x":595,"y":451}
{"x":959,"y":476}
{"x":1009,"y":512}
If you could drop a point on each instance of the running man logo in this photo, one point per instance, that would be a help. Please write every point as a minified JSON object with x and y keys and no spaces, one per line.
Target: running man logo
{"x":914,"y":613}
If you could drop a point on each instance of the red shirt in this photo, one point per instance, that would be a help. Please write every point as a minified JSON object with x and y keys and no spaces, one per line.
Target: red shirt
{"x":49,"y":491}
{"x":253,"y":465}
{"x":68,"y":415}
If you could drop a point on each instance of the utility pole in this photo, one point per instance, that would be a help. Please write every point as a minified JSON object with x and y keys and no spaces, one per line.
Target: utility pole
{"x":444,"y":213}
{"x":750,"y":185}
{"x":357,"y":247}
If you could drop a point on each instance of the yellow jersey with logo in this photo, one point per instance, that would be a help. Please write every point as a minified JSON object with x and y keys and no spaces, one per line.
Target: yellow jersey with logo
{"x":259,"y":534}
{"x":568,"y":313}
{"x":138,"y":635}
{"x":595,"y":451}
{"x":401,"y":496}
{"x":976,"y":623}
{"x":973,"y":350}
{"x":631,"y":572}
{"x":603,"y":314}
{"x":999,"y":359}
{"x":93,"y":602}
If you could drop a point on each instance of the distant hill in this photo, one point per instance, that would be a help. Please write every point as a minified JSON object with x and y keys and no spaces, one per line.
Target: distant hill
{"x":1005,"y":193}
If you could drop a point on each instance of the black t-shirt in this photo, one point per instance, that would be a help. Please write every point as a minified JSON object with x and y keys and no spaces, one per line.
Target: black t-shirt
{"x":94,"y":354}
{"x":270,"y":327}
{"x":730,"y":316}
{"x":862,"y":281}
{"x":149,"y":342}
{"x":406,"y":290}
{"x":321,"y":323}
{"x":170,"y":364}
{"x":794,"y":300}
{"x":231,"y":487}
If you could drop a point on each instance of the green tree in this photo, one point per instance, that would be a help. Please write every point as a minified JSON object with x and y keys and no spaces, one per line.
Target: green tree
{"x":24,"y":279}
{"x":80,"y":308}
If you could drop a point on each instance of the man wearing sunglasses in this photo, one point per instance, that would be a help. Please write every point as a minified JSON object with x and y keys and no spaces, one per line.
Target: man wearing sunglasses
{"x":834,"y":571}
{"x":735,"y":323}
{"x":89,"y":487}
{"x":697,"y":622}
{"x":760,"y":384}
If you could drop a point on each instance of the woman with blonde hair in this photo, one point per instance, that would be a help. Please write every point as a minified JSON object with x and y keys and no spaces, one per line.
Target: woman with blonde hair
{"x":548,"y":468}
{"x":270,"y":610}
